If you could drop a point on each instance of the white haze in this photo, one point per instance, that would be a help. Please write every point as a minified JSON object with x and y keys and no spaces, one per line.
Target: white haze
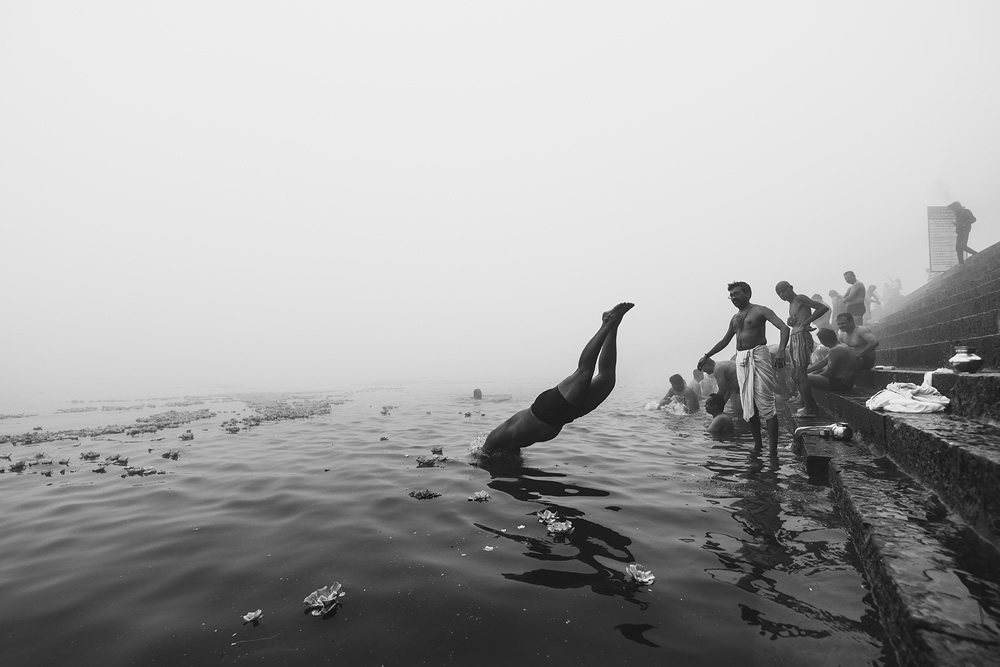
{"x":201,"y":196}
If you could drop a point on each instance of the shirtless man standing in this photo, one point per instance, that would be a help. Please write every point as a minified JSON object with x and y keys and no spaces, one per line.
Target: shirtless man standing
{"x":753,"y":361}
{"x":854,"y":297}
{"x":802,"y":311}
{"x":577,"y":395}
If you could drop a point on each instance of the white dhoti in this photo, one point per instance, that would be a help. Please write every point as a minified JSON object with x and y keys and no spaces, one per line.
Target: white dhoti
{"x":755,"y":374}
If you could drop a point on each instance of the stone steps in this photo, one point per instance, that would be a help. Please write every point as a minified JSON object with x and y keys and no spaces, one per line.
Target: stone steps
{"x":956,"y":457}
{"x":975,"y":395}
{"x":935,"y":355}
{"x":934,"y":579}
{"x":971,"y":302}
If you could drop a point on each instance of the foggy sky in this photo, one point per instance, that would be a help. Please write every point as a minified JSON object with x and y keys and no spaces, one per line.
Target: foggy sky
{"x":305,"y":195}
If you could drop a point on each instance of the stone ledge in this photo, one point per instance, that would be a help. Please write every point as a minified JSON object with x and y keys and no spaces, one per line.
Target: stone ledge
{"x":975,"y":395}
{"x":936,"y":354}
{"x":933,"y":580}
{"x":957,"y":457}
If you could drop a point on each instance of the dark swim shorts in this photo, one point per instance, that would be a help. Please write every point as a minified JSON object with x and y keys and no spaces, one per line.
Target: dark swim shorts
{"x":836,"y":384}
{"x":553,"y":408}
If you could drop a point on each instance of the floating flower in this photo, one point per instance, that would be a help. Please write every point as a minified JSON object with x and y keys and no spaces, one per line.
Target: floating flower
{"x":252,"y":616}
{"x":323,"y":600}
{"x":547,"y":516}
{"x":480,"y":496}
{"x":639,"y":576}
{"x":424,"y":494}
{"x":560,"y":527}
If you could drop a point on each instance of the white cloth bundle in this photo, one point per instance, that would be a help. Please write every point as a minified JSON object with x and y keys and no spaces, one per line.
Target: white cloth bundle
{"x":908,"y":397}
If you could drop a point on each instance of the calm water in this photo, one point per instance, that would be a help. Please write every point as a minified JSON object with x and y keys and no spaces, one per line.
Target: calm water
{"x":751,"y":566}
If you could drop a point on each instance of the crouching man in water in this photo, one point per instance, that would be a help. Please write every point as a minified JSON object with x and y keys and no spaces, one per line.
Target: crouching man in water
{"x":753,"y":362}
{"x":577,"y":395}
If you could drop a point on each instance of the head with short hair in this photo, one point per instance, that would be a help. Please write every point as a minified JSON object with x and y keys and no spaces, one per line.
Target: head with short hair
{"x":955,"y":205}
{"x":677,"y":381}
{"x":742,"y":285}
{"x":784,"y":290}
{"x":697,"y":375}
{"x":850,"y":277}
{"x":816,"y":297}
{"x":845,"y":322}
{"x":708,"y":366}
{"x":827,"y":336}
{"x":714,"y":404}
{"x":477,"y":393}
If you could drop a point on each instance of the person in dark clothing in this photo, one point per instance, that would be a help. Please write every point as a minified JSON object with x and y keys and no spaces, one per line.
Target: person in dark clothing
{"x":577,"y":395}
{"x":963,"y":225}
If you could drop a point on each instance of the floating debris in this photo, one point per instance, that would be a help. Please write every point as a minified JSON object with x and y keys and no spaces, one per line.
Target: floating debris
{"x":324,"y":600}
{"x":488,"y":548}
{"x":18,"y":467}
{"x":383,"y":439}
{"x":430,"y":461}
{"x":141,"y":471}
{"x":560,"y":527}
{"x":89,"y":456}
{"x":633,"y":573}
{"x":187,"y":435}
{"x":437,"y":450}
{"x":116,"y":459}
{"x":64,"y":462}
{"x":171,"y":454}
{"x":480,"y":496}
{"x":5,"y":456}
{"x":252,"y":616}
{"x":424,"y":494}
{"x":546,"y":516}
{"x":101,"y":467}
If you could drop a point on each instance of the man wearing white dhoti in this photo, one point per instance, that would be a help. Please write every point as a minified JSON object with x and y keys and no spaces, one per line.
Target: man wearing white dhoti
{"x":754,"y":369}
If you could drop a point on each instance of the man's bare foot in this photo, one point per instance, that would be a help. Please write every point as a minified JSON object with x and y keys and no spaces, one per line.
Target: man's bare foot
{"x":618,"y":311}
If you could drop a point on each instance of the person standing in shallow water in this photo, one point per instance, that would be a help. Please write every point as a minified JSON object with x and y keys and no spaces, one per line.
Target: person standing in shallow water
{"x":802,"y":312}
{"x":574,"y":397}
{"x":753,"y":361}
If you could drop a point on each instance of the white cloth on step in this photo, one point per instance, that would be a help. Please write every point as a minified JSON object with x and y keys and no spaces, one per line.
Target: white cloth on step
{"x":909,"y":397}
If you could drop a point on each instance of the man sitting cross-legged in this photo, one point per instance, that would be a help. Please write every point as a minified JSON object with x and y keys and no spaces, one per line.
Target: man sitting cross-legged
{"x":577,"y":395}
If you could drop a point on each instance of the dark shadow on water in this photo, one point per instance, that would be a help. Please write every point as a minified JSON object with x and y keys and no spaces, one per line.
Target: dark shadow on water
{"x":761,"y":496}
{"x":588,"y":543}
{"x":634,"y":632}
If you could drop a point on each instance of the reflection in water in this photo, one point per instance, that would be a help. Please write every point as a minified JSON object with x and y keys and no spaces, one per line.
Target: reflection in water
{"x":767,"y":550}
{"x":589,"y":541}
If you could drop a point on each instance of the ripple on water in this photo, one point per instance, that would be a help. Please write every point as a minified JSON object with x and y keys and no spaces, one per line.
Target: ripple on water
{"x":750,"y":565}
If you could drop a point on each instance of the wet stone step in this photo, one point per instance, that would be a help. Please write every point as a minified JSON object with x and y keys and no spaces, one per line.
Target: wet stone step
{"x":934,"y":581}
